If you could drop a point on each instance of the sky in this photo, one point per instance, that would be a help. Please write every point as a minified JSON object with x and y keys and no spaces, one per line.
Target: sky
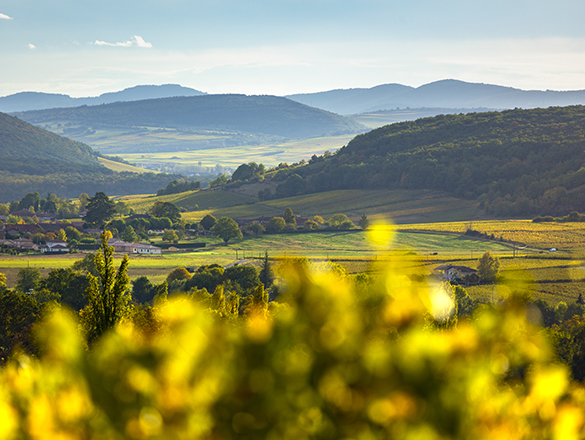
{"x":278,"y":47}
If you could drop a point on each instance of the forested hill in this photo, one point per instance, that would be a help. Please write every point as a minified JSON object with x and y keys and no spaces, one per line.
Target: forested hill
{"x":270,"y":115}
{"x":35,"y":160}
{"x":516,"y":162}
{"x":21,"y":140}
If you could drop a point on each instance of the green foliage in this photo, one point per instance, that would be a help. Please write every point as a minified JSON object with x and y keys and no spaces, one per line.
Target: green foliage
{"x":179,"y":186}
{"x":256,"y":228}
{"x":143,"y":290}
{"x":129,"y":235}
{"x":488,"y":267}
{"x":266,"y":273}
{"x":340,"y":221}
{"x":289,"y":217}
{"x":69,"y":286}
{"x":219,"y":180}
{"x":226,"y":228}
{"x":275,"y":225}
{"x":30,"y":200}
{"x":364,"y":222}
{"x":170,"y":236}
{"x":179,"y":273}
{"x":108,"y":296}
{"x":100,"y":209}
{"x":18,"y":313}
{"x":29,"y":278}
{"x":516,"y":162}
{"x":248,"y":171}
{"x":162,"y":209}
{"x":208,"y":222}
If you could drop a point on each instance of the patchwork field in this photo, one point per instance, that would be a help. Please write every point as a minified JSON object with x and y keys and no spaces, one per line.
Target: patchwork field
{"x":561,"y":236}
{"x":403,"y":206}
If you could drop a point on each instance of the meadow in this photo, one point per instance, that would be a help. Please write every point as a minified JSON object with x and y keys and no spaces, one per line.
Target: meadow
{"x":401,"y":206}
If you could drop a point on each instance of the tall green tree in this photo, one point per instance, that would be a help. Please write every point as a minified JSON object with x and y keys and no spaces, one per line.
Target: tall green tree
{"x":266,"y":273}
{"x":208,"y":222}
{"x":100,"y":209}
{"x":289,"y":217}
{"x":226,"y":228}
{"x":108,"y":294}
{"x":28,"y":279}
{"x":488,"y":267}
{"x":30,"y":200}
{"x":129,"y":235}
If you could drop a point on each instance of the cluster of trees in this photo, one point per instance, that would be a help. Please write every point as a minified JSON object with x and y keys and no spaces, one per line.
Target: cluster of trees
{"x":248,"y":171}
{"x":572,"y":217}
{"x":179,"y":186}
{"x":515,"y":163}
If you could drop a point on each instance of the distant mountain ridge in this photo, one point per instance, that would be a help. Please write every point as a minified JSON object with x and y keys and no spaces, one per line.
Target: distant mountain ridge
{"x":26,"y":101}
{"x":270,"y":115}
{"x":446,"y":93}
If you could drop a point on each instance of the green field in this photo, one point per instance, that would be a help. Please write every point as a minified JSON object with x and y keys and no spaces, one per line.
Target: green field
{"x":402,"y":206}
{"x":344,"y":245}
{"x":270,"y":154}
{"x":120,"y":167}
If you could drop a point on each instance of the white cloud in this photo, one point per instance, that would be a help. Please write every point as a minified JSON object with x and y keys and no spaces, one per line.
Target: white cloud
{"x":5,"y":17}
{"x":136,"y":41}
{"x":31,"y":46}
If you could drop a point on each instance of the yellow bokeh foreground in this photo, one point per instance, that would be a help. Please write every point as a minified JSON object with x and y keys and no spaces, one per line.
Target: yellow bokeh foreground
{"x":336,"y":360}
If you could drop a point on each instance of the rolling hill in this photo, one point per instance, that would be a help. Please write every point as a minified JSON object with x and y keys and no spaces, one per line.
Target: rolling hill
{"x":516,"y":162}
{"x":447,"y":93}
{"x":35,"y":160}
{"x":268,"y":115}
{"x":25,"y":101}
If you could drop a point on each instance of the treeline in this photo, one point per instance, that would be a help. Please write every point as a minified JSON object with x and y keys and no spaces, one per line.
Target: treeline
{"x":515,"y":163}
{"x":72,"y":181}
{"x":179,"y":186}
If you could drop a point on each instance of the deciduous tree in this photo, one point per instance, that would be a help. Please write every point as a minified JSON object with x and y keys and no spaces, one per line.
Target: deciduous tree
{"x":488,"y":267}
{"x":226,"y":228}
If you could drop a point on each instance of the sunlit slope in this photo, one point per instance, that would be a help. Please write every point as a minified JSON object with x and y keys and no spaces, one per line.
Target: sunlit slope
{"x":399,"y":206}
{"x":516,"y":162}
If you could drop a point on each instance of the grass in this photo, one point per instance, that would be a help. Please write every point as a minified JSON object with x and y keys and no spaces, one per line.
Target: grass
{"x":270,"y":154}
{"x":401,"y":206}
{"x":120,"y":167}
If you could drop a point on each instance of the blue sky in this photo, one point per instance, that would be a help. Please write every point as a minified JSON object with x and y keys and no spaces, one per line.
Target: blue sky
{"x":84,"y":48}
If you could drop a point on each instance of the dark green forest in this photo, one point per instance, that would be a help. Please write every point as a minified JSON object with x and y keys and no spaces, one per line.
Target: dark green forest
{"x":515,"y":162}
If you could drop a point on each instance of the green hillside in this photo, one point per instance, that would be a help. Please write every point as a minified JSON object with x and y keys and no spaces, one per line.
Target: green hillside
{"x":21,"y":140}
{"x":515,"y":163}
{"x":35,"y":160}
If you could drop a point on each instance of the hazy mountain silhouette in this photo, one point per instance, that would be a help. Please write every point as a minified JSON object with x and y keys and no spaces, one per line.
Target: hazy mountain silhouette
{"x":447,"y":93}
{"x":38,"y":101}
